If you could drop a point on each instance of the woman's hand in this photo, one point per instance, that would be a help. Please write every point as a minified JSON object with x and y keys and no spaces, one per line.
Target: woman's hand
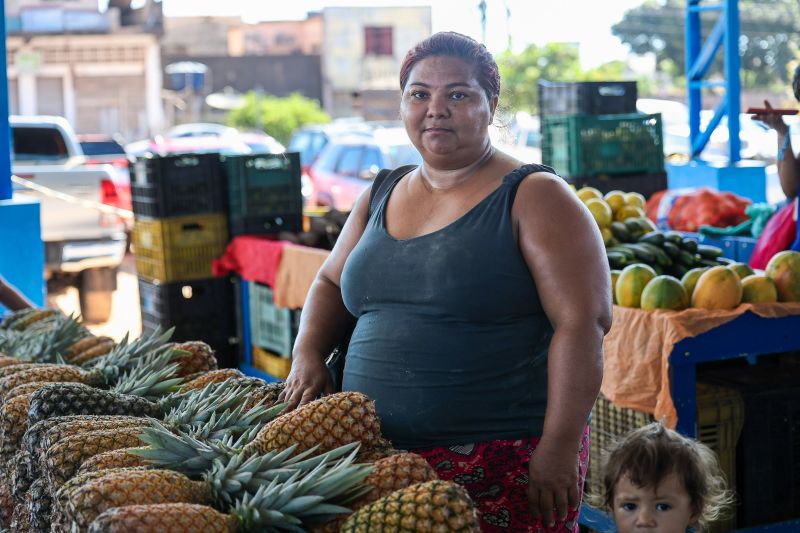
{"x":773,"y":120}
{"x":308,"y":378}
{"x":553,"y":482}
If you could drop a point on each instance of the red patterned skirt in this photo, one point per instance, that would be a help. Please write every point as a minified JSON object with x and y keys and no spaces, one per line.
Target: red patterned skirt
{"x":495,"y":474}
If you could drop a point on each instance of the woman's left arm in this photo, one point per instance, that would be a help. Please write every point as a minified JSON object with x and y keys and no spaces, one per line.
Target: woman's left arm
{"x":564,"y":250}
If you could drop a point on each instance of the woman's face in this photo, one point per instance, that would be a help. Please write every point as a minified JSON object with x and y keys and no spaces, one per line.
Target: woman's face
{"x":445,"y":111}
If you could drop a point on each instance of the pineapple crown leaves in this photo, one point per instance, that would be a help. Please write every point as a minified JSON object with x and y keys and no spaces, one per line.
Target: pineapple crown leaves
{"x":151,"y":377}
{"x":197,"y":407}
{"x":238,"y":420}
{"x":124,"y":355}
{"x":44,"y":340}
{"x":177,"y":450}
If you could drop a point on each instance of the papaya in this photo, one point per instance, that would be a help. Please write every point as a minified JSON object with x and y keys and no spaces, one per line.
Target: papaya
{"x":587,"y":193}
{"x":635,"y":199}
{"x":784,"y":270}
{"x":664,"y":292}
{"x":614,"y":277}
{"x":758,"y":288}
{"x":631,"y":282}
{"x":717,"y":288}
{"x":615,"y":200}
{"x":600,"y":211}
{"x":742,"y":269}
{"x":689,"y":280}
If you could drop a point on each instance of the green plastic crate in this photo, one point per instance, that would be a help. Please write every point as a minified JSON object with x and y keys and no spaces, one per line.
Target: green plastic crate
{"x":588,"y":145}
{"x":263,"y":184}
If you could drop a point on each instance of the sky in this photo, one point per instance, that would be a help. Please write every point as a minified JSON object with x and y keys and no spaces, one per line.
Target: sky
{"x":586,"y":22}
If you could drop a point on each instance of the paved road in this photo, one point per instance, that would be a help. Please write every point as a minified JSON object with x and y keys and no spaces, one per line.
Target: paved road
{"x":125,"y":315}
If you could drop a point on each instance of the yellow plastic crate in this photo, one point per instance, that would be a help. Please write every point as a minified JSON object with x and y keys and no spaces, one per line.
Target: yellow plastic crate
{"x":272,"y":364}
{"x":179,"y":248}
{"x":720,"y":419}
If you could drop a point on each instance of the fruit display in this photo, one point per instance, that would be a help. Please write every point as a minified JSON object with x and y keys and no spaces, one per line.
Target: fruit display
{"x":708,"y":287}
{"x":148,"y":435}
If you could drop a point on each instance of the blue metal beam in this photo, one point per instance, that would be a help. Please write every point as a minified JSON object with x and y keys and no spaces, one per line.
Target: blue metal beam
{"x":701,"y":140}
{"x":5,"y":129}
{"x":692,"y":51}
{"x":732,"y":67}
{"x":706,"y":56}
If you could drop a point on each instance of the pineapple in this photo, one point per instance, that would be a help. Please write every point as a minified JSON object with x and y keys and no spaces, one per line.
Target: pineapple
{"x":25,"y":388}
{"x":120,"y":458}
{"x":376,"y":453}
{"x":44,"y":340}
{"x":329,"y":422}
{"x":161,"y":517}
{"x":212,"y":376}
{"x":65,"y":457}
{"x":54,"y":373}
{"x":434,"y":506}
{"x":20,"y":320}
{"x":391,"y":473}
{"x":119,"y":489}
{"x":20,"y":520}
{"x":199,"y":357}
{"x":19,"y":367}
{"x":7,"y":360}
{"x":267,"y":394}
{"x":89,"y":349}
{"x":39,"y":504}
{"x":6,"y":503}
{"x":13,"y":415}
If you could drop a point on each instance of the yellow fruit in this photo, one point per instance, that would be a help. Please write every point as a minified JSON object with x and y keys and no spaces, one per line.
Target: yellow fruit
{"x":758,"y":288}
{"x":717,"y":288}
{"x":587,"y":193}
{"x":600,"y":211}
{"x":628,"y":211}
{"x":607,"y":236}
{"x":615,"y":200}
{"x":614,"y":277}
{"x":784,"y":270}
{"x":742,"y":270}
{"x":631,"y":283}
{"x":689,"y":280}
{"x":635,"y":199}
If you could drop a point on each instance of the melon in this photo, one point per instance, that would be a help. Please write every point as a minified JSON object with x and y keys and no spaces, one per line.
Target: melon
{"x":614,"y":277}
{"x":758,"y":288}
{"x":631,"y":282}
{"x":717,"y":288}
{"x":742,"y":269}
{"x":664,"y":292}
{"x":689,"y":280}
{"x":784,"y":270}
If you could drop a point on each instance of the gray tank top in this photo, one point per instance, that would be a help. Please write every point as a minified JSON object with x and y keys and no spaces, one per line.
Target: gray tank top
{"x":451,"y":340}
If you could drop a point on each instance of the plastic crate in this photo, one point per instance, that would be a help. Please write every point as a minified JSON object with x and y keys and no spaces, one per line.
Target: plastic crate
{"x":199,"y":310}
{"x":769,"y":484}
{"x":591,"y":145}
{"x":587,"y":97}
{"x":272,"y":364}
{"x":646,"y":184}
{"x":174,"y":185}
{"x":270,"y":326}
{"x":178,"y":248}
{"x":264,"y":184}
{"x":265,"y":225}
{"x":720,"y":418}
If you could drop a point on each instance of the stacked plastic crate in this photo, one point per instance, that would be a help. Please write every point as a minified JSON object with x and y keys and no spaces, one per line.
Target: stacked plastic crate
{"x":180,"y":228}
{"x":593,"y":136}
{"x":264,"y":197}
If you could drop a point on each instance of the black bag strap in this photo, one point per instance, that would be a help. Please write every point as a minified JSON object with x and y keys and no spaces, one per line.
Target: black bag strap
{"x":383,"y":181}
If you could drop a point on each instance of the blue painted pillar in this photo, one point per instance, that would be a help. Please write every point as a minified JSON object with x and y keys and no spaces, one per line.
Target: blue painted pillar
{"x":5,"y":131}
{"x":21,"y":247}
{"x":692,"y":50}
{"x":733,"y":89}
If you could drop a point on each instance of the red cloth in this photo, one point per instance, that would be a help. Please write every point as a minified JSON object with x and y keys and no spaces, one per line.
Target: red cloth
{"x":778,"y":235}
{"x":254,"y":258}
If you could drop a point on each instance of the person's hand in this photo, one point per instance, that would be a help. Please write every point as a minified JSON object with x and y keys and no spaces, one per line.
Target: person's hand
{"x":308,"y":378}
{"x":773,"y":120}
{"x":553,"y":482}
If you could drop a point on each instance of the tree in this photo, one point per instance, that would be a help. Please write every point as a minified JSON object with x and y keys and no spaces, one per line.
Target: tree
{"x":767,"y":44}
{"x":278,"y":116}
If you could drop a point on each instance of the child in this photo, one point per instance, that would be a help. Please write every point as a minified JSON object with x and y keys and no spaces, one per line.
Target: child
{"x":662,"y":482}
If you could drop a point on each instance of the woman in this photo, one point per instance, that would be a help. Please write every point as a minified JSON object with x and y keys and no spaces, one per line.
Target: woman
{"x":481,"y":292}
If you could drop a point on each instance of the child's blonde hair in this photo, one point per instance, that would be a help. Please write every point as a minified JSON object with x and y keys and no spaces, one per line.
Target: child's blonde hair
{"x":649,"y":454}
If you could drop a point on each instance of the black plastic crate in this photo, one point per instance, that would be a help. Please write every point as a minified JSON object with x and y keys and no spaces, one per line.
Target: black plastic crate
{"x":587,"y":97}
{"x":263,"y":184}
{"x":198,"y":309}
{"x":180,"y":184}
{"x":769,"y":460}
{"x":266,"y":224}
{"x":646,"y":184}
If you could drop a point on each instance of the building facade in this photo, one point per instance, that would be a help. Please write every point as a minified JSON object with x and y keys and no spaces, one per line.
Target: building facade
{"x":363,"y":48}
{"x":281,"y":37}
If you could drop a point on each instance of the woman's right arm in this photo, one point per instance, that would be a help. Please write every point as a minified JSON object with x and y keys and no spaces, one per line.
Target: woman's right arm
{"x":788,"y":171}
{"x":324,"y":320}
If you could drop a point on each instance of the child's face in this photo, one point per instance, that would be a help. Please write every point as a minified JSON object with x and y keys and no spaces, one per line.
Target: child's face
{"x":662,"y":509}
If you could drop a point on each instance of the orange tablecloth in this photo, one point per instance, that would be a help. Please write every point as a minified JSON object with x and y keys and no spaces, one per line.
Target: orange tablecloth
{"x":637,"y":350}
{"x":298,"y":268}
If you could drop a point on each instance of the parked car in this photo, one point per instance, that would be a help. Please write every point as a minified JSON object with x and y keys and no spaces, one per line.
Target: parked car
{"x":261,"y":143}
{"x":309,"y":140}
{"x":348,"y":165}
{"x":106,"y":150}
{"x":84,"y":245}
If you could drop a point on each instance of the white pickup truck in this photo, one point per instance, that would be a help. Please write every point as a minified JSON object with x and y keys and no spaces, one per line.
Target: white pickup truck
{"x":84,"y":241}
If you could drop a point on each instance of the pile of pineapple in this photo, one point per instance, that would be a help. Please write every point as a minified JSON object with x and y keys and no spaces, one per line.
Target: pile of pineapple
{"x":150,"y":436}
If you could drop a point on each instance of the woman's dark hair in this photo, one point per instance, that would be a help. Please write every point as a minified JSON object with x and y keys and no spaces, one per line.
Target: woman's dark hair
{"x":646,"y":456}
{"x":796,"y":83}
{"x":450,"y":43}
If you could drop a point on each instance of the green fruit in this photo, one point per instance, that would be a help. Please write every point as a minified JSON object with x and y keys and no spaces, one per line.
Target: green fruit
{"x":631,"y":282}
{"x":742,"y":270}
{"x":689,"y":280}
{"x":664,"y":292}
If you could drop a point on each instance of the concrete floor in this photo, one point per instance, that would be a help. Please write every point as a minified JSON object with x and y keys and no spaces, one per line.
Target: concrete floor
{"x":125,"y":317}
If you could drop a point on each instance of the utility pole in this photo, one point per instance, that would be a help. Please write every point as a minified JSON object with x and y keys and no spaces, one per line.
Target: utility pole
{"x":482,"y":9}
